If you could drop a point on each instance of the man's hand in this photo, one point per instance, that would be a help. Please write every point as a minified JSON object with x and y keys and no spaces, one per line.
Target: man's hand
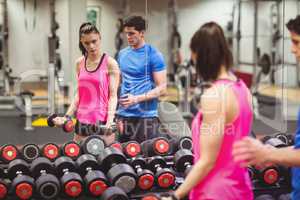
{"x":251,"y":151}
{"x":128,"y":100}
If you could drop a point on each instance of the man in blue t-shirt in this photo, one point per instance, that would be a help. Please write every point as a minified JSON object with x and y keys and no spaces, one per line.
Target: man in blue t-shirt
{"x":143,"y":73}
{"x":254,"y":152}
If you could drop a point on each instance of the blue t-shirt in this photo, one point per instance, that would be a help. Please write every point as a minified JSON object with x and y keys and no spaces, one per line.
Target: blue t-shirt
{"x":296,"y":170}
{"x":137,"y":67}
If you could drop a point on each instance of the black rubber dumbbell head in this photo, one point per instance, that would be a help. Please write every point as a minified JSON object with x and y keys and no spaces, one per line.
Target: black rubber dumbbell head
{"x":114,"y":193}
{"x":50,"y":151}
{"x":110,"y":156}
{"x":123,"y":176}
{"x":96,"y":182}
{"x":131,"y":149}
{"x":50,"y":120}
{"x":47,"y":185}
{"x":71,"y":149}
{"x":9,"y":152}
{"x":30,"y":152}
{"x":93,"y":145}
{"x":145,"y":177}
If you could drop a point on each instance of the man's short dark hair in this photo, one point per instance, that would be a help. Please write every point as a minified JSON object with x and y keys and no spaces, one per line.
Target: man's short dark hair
{"x":294,"y":25}
{"x":137,"y":22}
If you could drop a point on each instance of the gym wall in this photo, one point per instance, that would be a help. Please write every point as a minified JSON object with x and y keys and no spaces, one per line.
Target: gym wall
{"x":28,"y":49}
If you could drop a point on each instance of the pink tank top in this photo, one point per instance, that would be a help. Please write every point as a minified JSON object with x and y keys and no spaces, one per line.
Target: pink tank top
{"x":227,"y":180}
{"x":93,"y":90}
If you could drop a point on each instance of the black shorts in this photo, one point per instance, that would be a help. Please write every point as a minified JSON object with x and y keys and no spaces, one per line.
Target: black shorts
{"x":83,"y":129}
{"x":138,"y":129}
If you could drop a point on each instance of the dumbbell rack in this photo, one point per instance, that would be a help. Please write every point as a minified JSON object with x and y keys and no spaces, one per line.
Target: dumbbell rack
{"x":137,"y":194}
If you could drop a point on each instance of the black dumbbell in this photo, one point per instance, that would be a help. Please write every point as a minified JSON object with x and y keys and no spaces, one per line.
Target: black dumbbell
{"x":145,"y":177}
{"x":71,"y":182}
{"x":165,"y":177}
{"x":22,"y":184}
{"x":30,"y":152}
{"x":4,"y":186}
{"x":268,"y":175}
{"x":113,"y":163}
{"x":50,"y":151}
{"x":181,"y":143}
{"x":68,"y":125}
{"x":265,"y":197}
{"x":117,"y":145}
{"x":131,"y":149}
{"x":114,"y":193}
{"x":9,"y":152}
{"x":156,"y":146}
{"x":95,"y":181}
{"x":288,"y":139}
{"x":47,"y":185}
{"x":183,"y":161}
{"x":71,"y":149}
{"x":275,"y":142}
{"x":93,"y":145}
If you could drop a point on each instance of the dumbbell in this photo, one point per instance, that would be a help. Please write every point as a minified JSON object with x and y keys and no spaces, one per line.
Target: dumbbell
{"x":165,"y":177}
{"x":9,"y":152}
{"x":47,"y":185}
{"x":22,"y":185}
{"x":93,"y":145}
{"x":30,"y":152}
{"x":68,"y":125}
{"x":131,"y":148}
{"x":117,"y":145}
{"x":268,"y":175}
{"x":145,"y":179}
{"x":265,"y":197}
{"x":120,"y":174}
{"x":4,"y":186}
{"x":70,"y":181}
{"x":183,"y":161}
{"x":114,"y":193}
{"x":50,"y":151}
{"x":288,"y":139}
{"x":275,"y":142}
{"x":156,"y":146}
{"x":71,"y":149}
{"x":95,"y":181}
{"x":181,"y":143}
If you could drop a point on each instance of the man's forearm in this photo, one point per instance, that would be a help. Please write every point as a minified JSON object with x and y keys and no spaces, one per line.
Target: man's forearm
{"x":287,"y":156}
{"x":152,"y":94}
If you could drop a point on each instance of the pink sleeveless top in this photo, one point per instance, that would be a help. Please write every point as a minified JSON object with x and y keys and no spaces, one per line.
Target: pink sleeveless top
{"x":227,"y":180}
{"x":93,"y":91}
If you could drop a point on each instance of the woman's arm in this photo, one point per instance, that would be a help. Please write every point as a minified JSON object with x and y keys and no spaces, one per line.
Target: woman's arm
{"x":211,"y":136}
{"x":114,"y":80}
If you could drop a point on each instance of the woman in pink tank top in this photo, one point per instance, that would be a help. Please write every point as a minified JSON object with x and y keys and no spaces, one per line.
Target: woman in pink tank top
{"x":98,"y":75}
{"x":224,"y":116}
